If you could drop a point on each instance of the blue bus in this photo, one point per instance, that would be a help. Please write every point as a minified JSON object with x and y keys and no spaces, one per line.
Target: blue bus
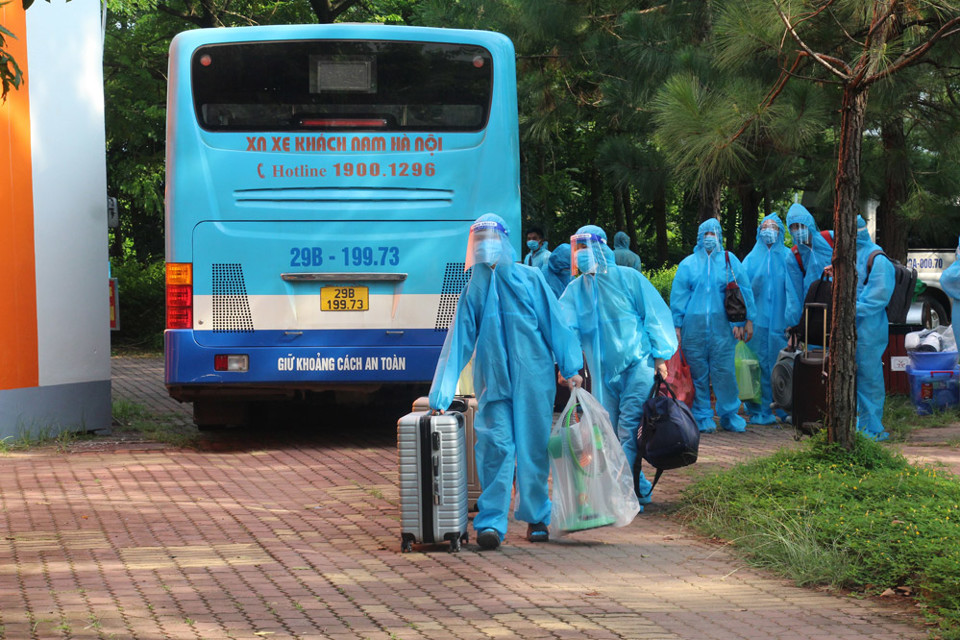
{"x":321,"y":181}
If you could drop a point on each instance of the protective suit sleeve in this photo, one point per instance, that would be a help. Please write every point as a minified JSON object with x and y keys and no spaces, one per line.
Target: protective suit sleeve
{"x":875,"y":296}
{"x":680,"y":292}
{"x":795,"y":293}
{"x":564,"y":343}
{"x":658,"y":321}
{"x":746,"y":287}
{"x":950,"y":281}
{"x":457,"y":349}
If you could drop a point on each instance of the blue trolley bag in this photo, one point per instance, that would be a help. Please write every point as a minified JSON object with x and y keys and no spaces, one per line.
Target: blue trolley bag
{"x":668,"y":437}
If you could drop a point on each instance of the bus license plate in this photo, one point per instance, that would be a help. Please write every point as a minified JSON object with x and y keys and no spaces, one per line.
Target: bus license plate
{"x":344,"y":299}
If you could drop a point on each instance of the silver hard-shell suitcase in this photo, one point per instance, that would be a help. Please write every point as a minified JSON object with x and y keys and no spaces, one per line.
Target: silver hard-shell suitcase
{"x":467,"y":405}
{"x":433,"y":480}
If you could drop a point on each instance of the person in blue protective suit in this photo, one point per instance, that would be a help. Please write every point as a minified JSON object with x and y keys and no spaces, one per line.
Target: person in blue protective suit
{"x":815,"y":255}
{"x":707,"y":337}
{"x":626,"y":332}
{"x":767,"y":266}
{"x":538,"y":255}
{"x":557,"y":274}
{"x":508,"y":316}
{"x":622,"y":253}
{"x":874,"y":289}
{"x":950,"y":282}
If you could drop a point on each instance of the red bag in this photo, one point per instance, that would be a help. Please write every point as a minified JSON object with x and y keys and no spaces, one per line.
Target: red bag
{"x":679,"y":378}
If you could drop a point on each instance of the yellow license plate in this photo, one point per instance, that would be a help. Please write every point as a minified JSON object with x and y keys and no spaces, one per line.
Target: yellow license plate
{"x":344,"y":299}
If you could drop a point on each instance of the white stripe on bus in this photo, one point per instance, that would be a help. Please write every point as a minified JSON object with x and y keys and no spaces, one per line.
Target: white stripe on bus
{"x":303,"y":313}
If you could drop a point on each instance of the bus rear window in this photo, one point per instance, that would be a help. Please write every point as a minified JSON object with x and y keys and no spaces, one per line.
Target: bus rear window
{"x":342,"y":85}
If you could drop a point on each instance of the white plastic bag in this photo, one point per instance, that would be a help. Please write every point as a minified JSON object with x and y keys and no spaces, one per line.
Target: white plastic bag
{"x":592,"y":483}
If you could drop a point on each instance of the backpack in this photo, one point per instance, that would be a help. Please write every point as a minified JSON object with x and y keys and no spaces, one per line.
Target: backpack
{"x":669,"y":437}
{"x":904,"y":284}
{"x":796,"y":252}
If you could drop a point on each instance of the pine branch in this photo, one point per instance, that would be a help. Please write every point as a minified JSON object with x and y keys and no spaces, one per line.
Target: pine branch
{"x":823,"y":60}
{"x":949,"y":28}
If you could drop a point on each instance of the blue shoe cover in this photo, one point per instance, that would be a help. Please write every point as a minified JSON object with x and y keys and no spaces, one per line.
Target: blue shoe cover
{"x":878,"y":436}
{"x":707,"y":425}
{"x":763,"y":418}
{"x":733,"y":422}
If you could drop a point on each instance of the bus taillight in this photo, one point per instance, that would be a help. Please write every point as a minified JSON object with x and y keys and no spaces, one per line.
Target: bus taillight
{"x":179,"y":295}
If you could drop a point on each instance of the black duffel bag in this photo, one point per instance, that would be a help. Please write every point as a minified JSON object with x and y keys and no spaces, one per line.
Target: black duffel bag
{"x":669,"y":437}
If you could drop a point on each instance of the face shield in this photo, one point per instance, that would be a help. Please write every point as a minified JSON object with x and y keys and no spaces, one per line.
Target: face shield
{"x":487,"y":243}
{"x":586,"y":255}
{"x":769,"y":231}
{"x":800,"y":234}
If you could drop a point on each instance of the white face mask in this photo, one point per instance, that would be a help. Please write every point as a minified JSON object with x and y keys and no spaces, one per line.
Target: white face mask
{"x":488,"y":251}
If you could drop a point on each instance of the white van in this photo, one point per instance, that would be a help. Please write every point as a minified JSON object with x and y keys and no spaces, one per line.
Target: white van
{"x":932,"y":307}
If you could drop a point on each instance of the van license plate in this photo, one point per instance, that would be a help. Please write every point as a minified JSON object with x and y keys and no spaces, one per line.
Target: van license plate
{"x":344,"y":299}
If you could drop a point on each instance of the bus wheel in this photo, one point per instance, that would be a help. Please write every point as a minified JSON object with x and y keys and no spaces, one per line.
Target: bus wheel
{"x":934,"y":314}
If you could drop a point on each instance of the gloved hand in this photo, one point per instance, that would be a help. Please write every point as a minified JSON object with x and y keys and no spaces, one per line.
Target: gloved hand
{"x":575,"y":381}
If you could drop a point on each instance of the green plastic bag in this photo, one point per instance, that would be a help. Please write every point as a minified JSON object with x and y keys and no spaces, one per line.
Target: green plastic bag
{"x":747,"y":367}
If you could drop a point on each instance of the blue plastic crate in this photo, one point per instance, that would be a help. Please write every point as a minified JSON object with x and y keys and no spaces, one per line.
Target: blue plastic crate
{"x":933,"y":360}
{"x":931,"y":390}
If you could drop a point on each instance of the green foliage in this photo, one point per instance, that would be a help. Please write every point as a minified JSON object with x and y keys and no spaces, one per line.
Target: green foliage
{"x":864,"y":520}
{"x":141,"y":296}
{"x":132,"y":418}
{"x":662,"y":279}
{"x":10,"y":73}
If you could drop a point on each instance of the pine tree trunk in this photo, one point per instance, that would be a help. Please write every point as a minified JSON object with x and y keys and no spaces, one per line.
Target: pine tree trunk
{"x":891,"y":224}
{"x":841,"y":418}
{"x":750,"y":216}
{"x":660,"y":223}
{"x":629,"y":222}
{"x":617,"y":211}
{"x":710,"y":200}
{"x":596,"y":184}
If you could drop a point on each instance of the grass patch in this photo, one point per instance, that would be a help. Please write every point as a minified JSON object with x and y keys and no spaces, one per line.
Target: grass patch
{"x":900,"y":418}
{"x":132,"y":417}
{"x":28,"y":438}
{"x":865,"y":520}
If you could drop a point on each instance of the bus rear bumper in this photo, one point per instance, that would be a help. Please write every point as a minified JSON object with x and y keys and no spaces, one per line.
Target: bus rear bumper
{"x":284,"y":372}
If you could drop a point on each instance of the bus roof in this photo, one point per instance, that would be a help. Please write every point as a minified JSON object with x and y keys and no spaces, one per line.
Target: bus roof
{"x":342,"y":31}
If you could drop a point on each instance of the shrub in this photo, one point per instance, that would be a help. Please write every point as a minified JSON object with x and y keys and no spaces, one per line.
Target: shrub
{"x":662,"y":279}
{"x":865,"y":520}
{"x":140,"y":289}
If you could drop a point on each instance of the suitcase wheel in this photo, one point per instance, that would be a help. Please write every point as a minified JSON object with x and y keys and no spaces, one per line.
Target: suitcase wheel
{"x":454,"y":545}
{"x":406,"y":543}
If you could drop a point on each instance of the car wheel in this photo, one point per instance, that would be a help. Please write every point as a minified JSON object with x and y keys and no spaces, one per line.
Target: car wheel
{"x":934,"y":314}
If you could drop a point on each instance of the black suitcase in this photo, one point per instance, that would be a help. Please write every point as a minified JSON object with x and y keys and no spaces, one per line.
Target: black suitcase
{"x":810,"y":379}
{"x":432,"y":462}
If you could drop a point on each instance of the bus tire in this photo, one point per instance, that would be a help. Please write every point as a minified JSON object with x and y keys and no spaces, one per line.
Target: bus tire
{"x":934,"y":313}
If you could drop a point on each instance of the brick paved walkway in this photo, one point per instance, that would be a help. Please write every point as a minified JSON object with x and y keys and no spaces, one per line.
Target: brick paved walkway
{"x":296,"y":535}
